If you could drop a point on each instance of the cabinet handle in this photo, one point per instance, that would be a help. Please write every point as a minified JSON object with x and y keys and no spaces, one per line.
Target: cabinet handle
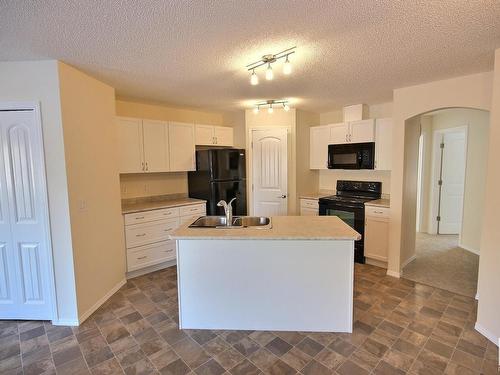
{"x":166,"y":230}
{"x":167,"y":213}
{"x":140,"y":235}
{"x":142,"y":163}
{"x":378,"y":212}
{"x":168,"y":251}
{"x":147,"y":168}
{"x":193,"y":209}
{"x":139,"y":218}
{"x":346,"y":139}
{"x":143,"y":257}
{"x":216,"y":141}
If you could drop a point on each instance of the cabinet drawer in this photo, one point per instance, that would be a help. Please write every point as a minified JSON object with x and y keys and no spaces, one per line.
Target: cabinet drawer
{"x":149,"y":255}
{"x":309,"y":203}
{"x":142,"y":234}
{"x":191,"y":219}
{"x":193,"y":210}
{"x":153,"y":215}
{"x":304,"y":211}
{"x":377,"y":211}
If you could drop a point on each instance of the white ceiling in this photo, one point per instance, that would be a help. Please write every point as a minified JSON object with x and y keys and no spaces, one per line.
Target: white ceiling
{"x":193,"y":53}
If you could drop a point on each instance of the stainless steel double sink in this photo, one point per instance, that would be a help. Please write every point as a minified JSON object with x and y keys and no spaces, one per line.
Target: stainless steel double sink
{"x":238,"y":222}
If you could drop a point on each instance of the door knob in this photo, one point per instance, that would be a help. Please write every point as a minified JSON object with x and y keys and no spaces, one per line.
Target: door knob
{"x":282,"y":196}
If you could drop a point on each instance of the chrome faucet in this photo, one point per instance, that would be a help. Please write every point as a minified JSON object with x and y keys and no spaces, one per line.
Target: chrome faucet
{"x":228,"y":210}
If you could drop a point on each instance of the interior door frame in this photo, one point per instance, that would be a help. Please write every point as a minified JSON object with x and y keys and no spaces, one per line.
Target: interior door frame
{"x":37,"y":118}
{"x":250,"y":191}
{"x":436,"y":166}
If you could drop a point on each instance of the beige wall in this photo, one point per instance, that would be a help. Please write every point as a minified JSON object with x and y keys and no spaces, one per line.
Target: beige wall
{"x":144,"y":185}
{"x":381,"y":110}
{"x":90,"y":142}
{"x":489,"y":262}
{"x":477,"y":123}
{"x":280,"y":118}
{"x":307,"y":179}
{"x":473,"y":91}
{"x":38,"y":81}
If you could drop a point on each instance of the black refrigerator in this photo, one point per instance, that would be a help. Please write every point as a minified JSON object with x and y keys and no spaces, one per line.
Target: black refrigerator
{"x":220,"y":174}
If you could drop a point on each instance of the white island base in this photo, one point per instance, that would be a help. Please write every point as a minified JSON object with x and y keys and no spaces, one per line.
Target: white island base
{"x":265,"y":284}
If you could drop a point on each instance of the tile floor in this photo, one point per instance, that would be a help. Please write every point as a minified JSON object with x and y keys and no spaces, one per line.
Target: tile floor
{"x":400,"y":327}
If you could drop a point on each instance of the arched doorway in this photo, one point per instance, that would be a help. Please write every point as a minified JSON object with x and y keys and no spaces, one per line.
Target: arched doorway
{"x":445,"y":153}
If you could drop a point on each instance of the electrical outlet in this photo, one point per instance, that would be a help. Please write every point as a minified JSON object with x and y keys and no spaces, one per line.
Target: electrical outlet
{"x":82,"y":204}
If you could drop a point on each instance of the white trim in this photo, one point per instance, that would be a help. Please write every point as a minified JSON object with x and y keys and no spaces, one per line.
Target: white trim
{"x":409,"y":260}
{"x":486,"y":333}
{"x":393,"y":273}
{"x":99,"y":303}
{"x":475,"y":251}
{"x":44,"y":194}
{"x":66,"y":322}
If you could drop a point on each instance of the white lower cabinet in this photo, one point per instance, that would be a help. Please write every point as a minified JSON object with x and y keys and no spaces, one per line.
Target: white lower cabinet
{"x":309,"y":207}
{"x":147,"y":235}
{"x":376,"y":233}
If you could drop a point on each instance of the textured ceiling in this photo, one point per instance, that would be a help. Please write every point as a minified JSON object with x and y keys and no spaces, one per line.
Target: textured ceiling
{"x":193,"y":53}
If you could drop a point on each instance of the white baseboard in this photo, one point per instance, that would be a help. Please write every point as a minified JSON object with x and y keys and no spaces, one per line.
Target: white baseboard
{"x":99,"y":303}
{"x":408,"y":261}
{"x":474,"y":251}
{"x":156,"y":267}
{"x":66,"y":322}
{"x":393,"y":274}
{"x":486,"y":333}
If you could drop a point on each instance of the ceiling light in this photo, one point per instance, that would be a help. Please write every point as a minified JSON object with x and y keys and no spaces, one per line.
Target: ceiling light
{"x":287,"y":66}
{"x":286,"y":107}
{"x":269,"y":72}
{"x":254,"y":79}
{"x":270,"y":109}
{"x":256,"y":109}
{"x":270,"y":105}
{"x":268,"y":60}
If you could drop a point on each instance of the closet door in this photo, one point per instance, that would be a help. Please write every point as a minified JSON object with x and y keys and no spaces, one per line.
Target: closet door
{"x":25,"y":260}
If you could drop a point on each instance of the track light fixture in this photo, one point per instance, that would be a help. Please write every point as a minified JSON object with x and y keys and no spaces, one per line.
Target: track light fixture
{"x":268,"y":60}
{"x":270,"y":105}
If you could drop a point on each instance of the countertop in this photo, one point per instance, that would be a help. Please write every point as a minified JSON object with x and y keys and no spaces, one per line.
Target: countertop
{"x":384,"y":202}
{"x":283,"y":228}
{"x":169,"y":203}
{"x":317,"y":195}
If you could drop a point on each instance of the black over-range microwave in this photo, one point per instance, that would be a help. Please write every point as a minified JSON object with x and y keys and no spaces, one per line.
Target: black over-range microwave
{"x":351,"y":156}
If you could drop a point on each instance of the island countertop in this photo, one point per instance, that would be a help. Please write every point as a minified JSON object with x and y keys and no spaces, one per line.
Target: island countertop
{"x":283,"y":228}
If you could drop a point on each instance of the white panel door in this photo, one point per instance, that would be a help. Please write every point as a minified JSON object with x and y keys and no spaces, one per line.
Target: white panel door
{"x":181,"y":146}
{"x":362,"y":131}
{"x":318,"y":150}
{"x":453,"y":177}
{"x":204,"y":135}
{"x":130,"y":145}
{"x":223,"y":135}
{"x":155,"y":146}
{"x":25,"y":260}
{"x":339,"y":133}
{"x":269,"y":172}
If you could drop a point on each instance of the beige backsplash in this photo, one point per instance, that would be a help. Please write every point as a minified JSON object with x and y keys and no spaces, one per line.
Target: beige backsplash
{"x":152,"y":184}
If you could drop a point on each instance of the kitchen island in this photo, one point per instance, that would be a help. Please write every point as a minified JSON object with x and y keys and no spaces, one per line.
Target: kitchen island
{"x":295,"y":276}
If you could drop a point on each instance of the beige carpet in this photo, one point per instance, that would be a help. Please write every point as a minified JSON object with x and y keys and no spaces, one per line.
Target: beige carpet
{"x":442,"y":264}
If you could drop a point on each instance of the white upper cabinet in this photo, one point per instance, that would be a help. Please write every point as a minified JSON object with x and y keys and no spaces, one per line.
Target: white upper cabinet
{"x":209,"y":135}
{"x":223,"y":136}
{"x":319,"y":140}
{"x":181,"y":146}
{"x":383,"y":144}
{"x":339,"y":133}
{"x":130,"y":145}
{"x":155,"y":137}
{"x":362,"y":131}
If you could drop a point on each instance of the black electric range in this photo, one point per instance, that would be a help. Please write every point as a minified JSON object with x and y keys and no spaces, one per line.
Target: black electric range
{"x":349,"y":205}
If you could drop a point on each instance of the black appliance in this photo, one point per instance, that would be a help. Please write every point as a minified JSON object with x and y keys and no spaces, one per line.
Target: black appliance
{"x":220,"y":174}
{"x":351,"y":156}
{"x":349,"y":205}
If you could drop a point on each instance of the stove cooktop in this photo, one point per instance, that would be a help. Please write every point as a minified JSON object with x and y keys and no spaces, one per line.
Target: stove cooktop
{"x":356,"y":199}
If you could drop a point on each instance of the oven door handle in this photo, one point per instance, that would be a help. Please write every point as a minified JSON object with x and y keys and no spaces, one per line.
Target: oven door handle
{"x":340,"y":208}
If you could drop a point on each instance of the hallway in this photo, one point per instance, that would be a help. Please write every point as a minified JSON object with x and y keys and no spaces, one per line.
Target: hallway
{"x":441,"y":263}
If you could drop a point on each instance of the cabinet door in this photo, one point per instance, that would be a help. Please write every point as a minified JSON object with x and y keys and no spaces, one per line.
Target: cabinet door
{"x":376,"y":238}
{"x":339,"y":133}
{"x":155,"y":146}
{"x":383,"y":144}
{"x":223,"y":135}
{"x":362,"y":131}
{"x":205,"y":135}
{"x":130,"y":145}
{"x":181,"y":146}
{"x":319,"y":138}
